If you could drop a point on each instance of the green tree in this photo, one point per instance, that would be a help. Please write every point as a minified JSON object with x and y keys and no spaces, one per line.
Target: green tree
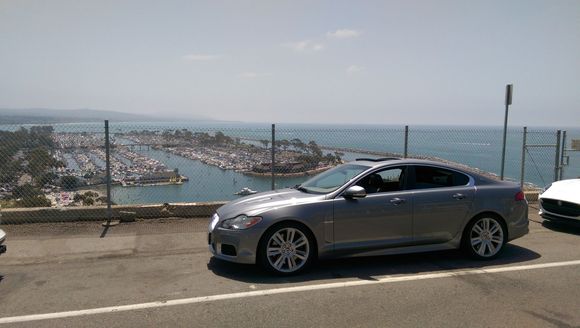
{"x":338,"y":156}
{"x":187,"y":135}
{"x":25,"y":191}
{"x":69,"y":182}
{"x":88,"y":202}
{"x":166,"y":134}
{"x":314,"y":149}
{"x":203,"y":138}
{"x":47,"y":178}
{"x":10,"y":171}
{"x":34,"y":201}
{"x":284,"y":144}
{"x":78,"y":197}
{"x":221,"y":139}
{"x":91,"y":194}
{"x":298,"y":144}
{"x":39,"y":160}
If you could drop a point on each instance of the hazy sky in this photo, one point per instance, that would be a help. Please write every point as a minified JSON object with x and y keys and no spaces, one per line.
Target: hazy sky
{"x":388,"y":62}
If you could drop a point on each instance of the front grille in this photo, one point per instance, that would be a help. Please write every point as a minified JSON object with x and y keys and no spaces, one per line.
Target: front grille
{"x":560,"y":207}
{"x":209,"y":238}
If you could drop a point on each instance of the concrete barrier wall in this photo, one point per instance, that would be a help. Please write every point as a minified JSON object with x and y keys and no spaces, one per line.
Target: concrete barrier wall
{"x":532,"y":196}
{"x":99,"y":213}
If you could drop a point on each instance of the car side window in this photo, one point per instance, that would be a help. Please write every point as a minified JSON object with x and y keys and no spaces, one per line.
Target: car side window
{"x":390,"y":179}
{"x":427,"y":177}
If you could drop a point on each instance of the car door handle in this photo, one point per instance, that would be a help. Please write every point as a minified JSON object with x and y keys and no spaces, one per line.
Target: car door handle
{"x":397,"y":201}
{"x":458,"y":196}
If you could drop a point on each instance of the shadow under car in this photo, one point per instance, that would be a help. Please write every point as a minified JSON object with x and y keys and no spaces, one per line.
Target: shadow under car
{"x":366,"y":268}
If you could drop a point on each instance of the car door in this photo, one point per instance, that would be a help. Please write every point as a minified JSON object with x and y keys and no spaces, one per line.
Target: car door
{"x":382,"y":219}
{"x":442,"y":200}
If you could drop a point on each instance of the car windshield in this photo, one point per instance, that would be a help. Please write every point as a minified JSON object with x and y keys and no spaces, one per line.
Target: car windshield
{"x":332,"y":179}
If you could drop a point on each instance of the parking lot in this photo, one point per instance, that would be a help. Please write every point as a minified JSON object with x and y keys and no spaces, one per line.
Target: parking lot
{"x":159,"y":273}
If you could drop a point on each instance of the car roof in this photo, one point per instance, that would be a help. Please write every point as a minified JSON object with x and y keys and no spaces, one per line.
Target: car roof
{"x":379,"y":162}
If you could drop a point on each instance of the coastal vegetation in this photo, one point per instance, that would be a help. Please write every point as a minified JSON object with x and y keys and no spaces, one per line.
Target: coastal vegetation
{"x":31,"y":175}
{"x":25,"y":159}
{"x":242,"y":154}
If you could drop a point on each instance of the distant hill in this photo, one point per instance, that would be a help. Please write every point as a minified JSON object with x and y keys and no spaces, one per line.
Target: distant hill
{"x":45,"y":116}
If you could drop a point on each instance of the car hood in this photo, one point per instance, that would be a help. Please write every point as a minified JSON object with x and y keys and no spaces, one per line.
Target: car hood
{"x":258,"y":203}
{"x":565,"y":190}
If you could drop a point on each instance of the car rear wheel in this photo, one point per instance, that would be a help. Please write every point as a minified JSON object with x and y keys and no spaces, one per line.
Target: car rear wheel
{"x":287,"y":249}
{"x":485,"y":237}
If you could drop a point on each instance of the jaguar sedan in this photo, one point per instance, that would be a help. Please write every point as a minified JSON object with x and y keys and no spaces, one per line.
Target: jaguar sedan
{"x":560,"y":201}
{"x":370,"y":207}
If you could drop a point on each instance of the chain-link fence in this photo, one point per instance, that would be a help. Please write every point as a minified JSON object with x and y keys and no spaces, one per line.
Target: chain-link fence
{"x":539,"y":156}
{"x":58,"y":172}
{"x":570,"y":155}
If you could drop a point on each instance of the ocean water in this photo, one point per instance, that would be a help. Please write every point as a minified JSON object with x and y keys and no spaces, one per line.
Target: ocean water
{"x":478,"y":147}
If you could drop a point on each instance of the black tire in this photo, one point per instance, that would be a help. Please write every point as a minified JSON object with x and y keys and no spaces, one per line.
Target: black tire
{"x":297,"y":247}
{"x":484,"y":237}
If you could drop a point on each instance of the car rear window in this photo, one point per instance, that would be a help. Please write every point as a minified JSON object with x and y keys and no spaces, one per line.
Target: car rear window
{"x":434,"y":177}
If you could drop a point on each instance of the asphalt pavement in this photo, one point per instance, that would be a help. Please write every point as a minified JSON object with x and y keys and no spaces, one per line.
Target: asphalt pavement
{"x":160,"y":273}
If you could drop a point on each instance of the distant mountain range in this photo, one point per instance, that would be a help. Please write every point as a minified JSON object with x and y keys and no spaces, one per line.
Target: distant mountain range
{"x":45,"y":116}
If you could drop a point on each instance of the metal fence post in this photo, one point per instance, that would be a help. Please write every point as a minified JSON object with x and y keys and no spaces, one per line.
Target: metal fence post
{"x":522,"y":169}
{"x":562,"y":155}
{"x":406,"y":141}
{"x":557,"y":161}
{"x":273,"y":164}
{"x":508,"y":101}
{"x":108,"y":169}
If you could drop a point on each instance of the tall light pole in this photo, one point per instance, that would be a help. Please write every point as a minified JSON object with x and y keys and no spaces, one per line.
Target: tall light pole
{"x":508,"y":101}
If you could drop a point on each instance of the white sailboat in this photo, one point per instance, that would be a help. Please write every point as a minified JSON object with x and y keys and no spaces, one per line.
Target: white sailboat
{"x":246,"y":191}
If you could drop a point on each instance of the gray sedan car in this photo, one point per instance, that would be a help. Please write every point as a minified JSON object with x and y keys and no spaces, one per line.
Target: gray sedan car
{"x":370,"y":207}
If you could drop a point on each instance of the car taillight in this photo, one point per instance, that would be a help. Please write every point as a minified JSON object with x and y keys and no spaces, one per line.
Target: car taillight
{"x":520,"y":196}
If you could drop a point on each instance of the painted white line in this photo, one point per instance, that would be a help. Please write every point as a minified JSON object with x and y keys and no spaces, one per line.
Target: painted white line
{"x":212,"y":298}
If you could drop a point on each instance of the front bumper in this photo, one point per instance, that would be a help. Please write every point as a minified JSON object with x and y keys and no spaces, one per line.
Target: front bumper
{"x":557,"y":217}
{"x":237,"y":246}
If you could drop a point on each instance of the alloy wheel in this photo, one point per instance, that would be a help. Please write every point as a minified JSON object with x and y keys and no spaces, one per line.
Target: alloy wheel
{"x":486,"y":237}
{"x":287,"y":250}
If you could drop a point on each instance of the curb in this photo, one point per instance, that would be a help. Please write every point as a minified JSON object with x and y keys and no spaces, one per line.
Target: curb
{"x":99,"y":213}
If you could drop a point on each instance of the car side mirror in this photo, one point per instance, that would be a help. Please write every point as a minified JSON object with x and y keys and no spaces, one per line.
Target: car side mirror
{"x":355,"y":192}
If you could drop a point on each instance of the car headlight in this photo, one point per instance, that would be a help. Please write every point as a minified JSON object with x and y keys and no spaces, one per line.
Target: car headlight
{"x":214,"y":220}
{"x":241,"y":222}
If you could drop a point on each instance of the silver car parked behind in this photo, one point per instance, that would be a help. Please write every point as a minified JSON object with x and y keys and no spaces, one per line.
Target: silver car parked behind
{"x":370,"y":207}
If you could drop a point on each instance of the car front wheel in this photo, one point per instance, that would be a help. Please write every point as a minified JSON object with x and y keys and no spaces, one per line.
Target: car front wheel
{"x":287,"y":249}
{"x":485,"y":237}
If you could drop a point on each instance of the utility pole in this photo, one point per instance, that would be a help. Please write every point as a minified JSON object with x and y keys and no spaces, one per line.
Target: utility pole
{"x":508,"y":101}
{"x":108,"y":171}
{"x":273,"y":165}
